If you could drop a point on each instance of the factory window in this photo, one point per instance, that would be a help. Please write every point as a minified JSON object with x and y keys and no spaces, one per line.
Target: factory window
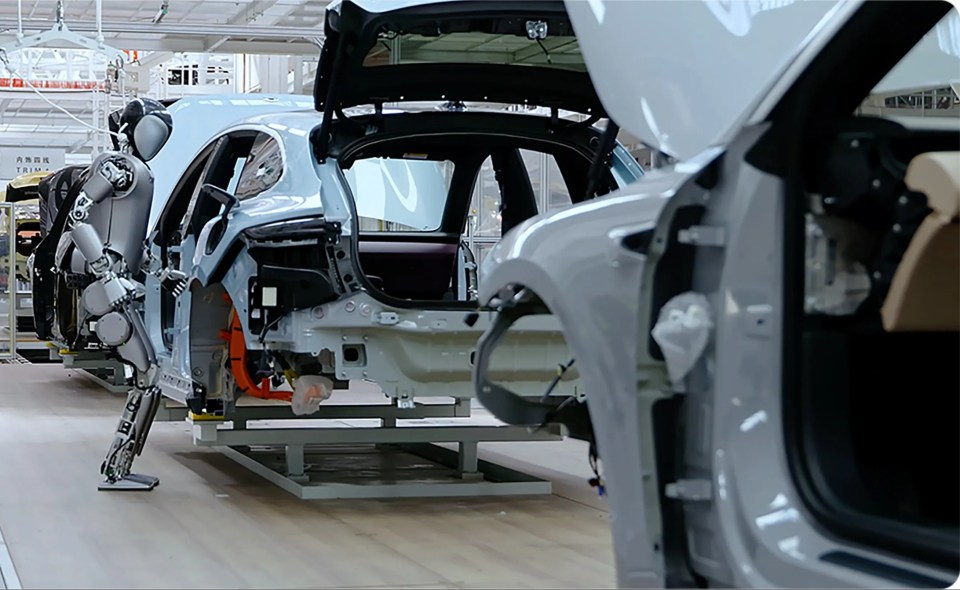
{"x":485,"y":212}
{"x":923,"y":83}
{"x":260,"y":169}
{"x":557,"y":194}
{"x":400,"y":194}
{"x":549,"y":190}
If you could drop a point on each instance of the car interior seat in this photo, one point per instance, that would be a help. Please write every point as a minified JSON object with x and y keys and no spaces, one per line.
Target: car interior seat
{"x":924,"y":295}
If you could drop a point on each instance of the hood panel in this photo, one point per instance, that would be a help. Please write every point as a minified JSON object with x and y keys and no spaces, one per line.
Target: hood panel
{"x":681,"y":76}
{"x":468,"y":50}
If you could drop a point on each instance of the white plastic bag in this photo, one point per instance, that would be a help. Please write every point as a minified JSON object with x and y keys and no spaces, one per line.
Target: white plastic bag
{"x":682,"y":332}
{"x":308,"y":392}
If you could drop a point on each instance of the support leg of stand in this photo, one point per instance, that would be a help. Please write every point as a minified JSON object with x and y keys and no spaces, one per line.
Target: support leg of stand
{"x":467,"y":460}
{"x":387,"y":422}
{"x":119,"y":377}
{"x":295,"y":463}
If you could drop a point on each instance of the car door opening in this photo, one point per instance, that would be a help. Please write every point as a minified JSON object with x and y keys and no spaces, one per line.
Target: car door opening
{"x":872,"y":312}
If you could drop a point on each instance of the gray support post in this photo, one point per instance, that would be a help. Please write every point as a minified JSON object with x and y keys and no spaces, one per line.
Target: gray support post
{"x":295,"y":463}
{"x":467,"y":463}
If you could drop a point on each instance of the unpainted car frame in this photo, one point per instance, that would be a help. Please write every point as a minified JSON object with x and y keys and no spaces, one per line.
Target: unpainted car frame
{"x":250,"y":283}
{"x":284,"y":262}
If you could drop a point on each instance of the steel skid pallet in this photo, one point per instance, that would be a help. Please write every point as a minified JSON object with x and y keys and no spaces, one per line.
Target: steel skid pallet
{"x":385,"y":461}
{"x":108,"y":373}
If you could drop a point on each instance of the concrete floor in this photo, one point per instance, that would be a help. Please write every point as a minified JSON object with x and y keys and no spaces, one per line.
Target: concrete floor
{"x":213,"y":524}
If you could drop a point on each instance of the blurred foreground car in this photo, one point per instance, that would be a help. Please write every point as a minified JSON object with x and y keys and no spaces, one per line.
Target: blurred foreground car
{"x":766,"y":330}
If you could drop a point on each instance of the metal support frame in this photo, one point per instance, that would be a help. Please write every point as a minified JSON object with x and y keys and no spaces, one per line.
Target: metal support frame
{"x":8,"y":328}
{"x":171,"y":411}
{"x":207,"y":433}
{"x":277,"y":33}
{"x":59,"y":33}
{"x":111,"y":380}
{"x":23,"y":300}
{"x":60,"y":36}
{"x":389,"y":461}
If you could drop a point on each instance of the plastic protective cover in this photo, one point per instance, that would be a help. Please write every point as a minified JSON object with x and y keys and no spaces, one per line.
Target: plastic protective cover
{"x":683,"y":332}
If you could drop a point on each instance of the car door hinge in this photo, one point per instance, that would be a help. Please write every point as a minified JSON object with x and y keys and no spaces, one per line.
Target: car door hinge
{"x":702,"y":235}
{"x":694,"y":490}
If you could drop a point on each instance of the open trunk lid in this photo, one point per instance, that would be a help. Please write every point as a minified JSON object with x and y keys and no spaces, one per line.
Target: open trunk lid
{"x":451,"y":50}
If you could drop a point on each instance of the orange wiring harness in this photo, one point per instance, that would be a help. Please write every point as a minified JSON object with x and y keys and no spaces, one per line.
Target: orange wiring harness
{"x":238,"y":365}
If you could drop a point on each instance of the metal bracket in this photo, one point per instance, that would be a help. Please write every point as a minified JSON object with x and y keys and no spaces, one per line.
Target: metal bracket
{"x":388,"y":318}
{"x":405,"y":400}
{"x":693,"y":490}
{"x":758,"y":321}
{"x":62,"y":33}
{"x":702,"y":235}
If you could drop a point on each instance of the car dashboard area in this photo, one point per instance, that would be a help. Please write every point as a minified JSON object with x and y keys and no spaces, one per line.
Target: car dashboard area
{"x":859,"y":189}
{"x":881,"y":337}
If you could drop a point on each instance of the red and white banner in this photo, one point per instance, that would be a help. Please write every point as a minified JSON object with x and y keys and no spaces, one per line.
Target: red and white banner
{"x":18,"y":83}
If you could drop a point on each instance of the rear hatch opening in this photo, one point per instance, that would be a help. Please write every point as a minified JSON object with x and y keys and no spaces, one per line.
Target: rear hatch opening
{"x":416,"y":197}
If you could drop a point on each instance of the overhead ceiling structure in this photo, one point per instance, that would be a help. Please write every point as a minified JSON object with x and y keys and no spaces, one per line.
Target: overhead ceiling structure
{"x":177,"y":34}
{"x":281,"y":27}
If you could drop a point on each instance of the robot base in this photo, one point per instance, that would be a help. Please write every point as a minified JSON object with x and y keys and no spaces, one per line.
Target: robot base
{"x":133,"y":482}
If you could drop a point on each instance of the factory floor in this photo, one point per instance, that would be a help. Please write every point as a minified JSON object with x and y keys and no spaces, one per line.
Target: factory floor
{"x":213,"y":524}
